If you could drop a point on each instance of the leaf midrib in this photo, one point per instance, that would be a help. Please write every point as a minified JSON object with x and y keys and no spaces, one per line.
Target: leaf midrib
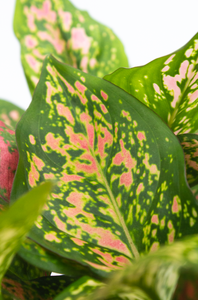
{"x":133,"y":248}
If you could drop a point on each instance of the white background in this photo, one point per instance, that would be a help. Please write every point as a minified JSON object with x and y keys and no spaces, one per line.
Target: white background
{"x":147,"y":28}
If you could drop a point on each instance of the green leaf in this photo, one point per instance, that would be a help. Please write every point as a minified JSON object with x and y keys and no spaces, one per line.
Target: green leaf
{"x":25,"y":270}
{"x":157,"y":274}
{"x":187,"y":287}
{"x":189,"y":143}
{"x":47,"y":260}
{"x":168,"y":85}
{"x":10,"y":113}
{"x":80,"y":288}
{"x":122,"y":188}
{"x":14,"y":223}
{"x":44,"y":288}
{"x":71,"y":35}
{"x":8,"y":161}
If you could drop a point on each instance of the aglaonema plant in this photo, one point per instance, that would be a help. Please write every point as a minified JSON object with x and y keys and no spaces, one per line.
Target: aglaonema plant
{"x":117,"y":222}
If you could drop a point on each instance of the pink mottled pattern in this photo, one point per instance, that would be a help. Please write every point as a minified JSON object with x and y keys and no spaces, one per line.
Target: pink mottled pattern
{"x":80,"y":40}
{"x":54,"y":37}
{"x":45,"y":12}
{"x":66,"y":19}
{"x":8,"y":162}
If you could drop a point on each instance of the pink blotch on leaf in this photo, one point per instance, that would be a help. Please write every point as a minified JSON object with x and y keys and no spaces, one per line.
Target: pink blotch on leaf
{"x":104,"y":109}
{"x":95,"y":98}
{"x":54,"y":38}
{"x":45,"y":12}
{"x":166,"y":68}
{"x":77,"y":139}
{"x":85,"y":118}
{"x":104,"y":95}
{"x":80,"y":40}
{"x":80,"y":87}
{"x":68,"y":178}
{"x":122,"y":260}
{"x":176,"y":207}
{"x":169,"y":59}
{"x":102,"y":141}
{"x":81,"y":18}
{"x":107,"y":256}
{"x":8,"y":164}
{"x":154,"y":247}
{"x":140,"y":188}
{"x":54,"y":143}
{"x":141,"y":136}
{"x":78,"y":241}
{"x":33,"y":175}
{"x":65,"y":112}
{"x":14,"y":114}
{"x":193,"y":97}
{"x":84,"y":63}
{"x":155,"y":219}
{"x":66,"y":18}
{"x":171,"y":84}
{"x":60,"y":224}
{"x":90,"y":167}
{"x":188,"y":52}
{"x":92,"y":62}
{"x":171,"y":236}
{"x":124,"y":156}
{"x":33,"y":63}
{"x":30,"y":19}
{"x":38,"y":162}
{"x":30,"y":41}
{"x":49,"y":176}
{"x":156,"y":88}
{"x":126,"y":179}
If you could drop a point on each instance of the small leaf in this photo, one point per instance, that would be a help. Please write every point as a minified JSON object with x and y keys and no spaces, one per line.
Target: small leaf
{"x":168,"y":85}
{"x":189,"y":143}
{"x":10,"y":113}
{"x":79,"y":289}
{"x":71,"y":35}
{"x":14,"y":223}
{"x":122,"y":188}
{"x":8,"y":160}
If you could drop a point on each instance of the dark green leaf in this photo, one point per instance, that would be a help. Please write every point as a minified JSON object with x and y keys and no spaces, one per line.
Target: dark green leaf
{"x":59,"y":28}
{"x":10,"y":113}
{"x":122,"y":188}
{"x":168,"y":85}
{"x":189,"y":143}
{"x":44,"y":288}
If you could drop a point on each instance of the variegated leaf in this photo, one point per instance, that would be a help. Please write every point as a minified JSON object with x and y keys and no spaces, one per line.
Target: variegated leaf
{"x":122,"y":189}
{"x":168,"y":85}
{"x":14,"y":223}
{"x":10,"y":113}
{"x":8,"y":161}
{"x":157,"y":274}
{"x":44,"y":288}
{"x":38,"y":256}
{"x":71,"y":35}
{"x":189,"y":143}
{"x":80,"y":289}
{"x":25,"y":270}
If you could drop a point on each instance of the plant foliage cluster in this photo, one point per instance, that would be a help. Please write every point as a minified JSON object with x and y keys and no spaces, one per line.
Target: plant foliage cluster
{"x":99,"y":176}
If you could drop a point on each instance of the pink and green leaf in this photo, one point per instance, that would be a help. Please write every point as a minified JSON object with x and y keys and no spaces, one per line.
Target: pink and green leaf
{"x":8,"y":161}
{"x":10,"y":113}
{"x":80,"y":289}
{"x":168,"y":85}
{"x":71,"y":35}
{"x":189,"y":143}
{"x":122,"y":189}
{"x":170,"y":273}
